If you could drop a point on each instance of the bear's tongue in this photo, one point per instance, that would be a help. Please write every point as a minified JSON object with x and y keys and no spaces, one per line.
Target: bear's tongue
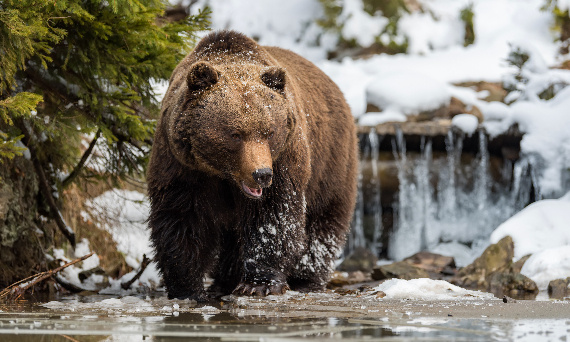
{"x":252,"y":191}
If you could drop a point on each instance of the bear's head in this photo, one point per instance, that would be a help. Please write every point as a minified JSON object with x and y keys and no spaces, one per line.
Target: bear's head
{"x":233,"y":122}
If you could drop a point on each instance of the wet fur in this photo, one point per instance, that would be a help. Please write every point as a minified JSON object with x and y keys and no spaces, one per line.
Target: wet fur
{"x":201,"y":222}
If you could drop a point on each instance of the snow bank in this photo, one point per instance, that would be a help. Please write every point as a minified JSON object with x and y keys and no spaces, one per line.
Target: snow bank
{"x":406,"y":92}
{"x":542,"y":225}
{"x":125,"y":214}
{"x":427,"y":289}
{"x":543,"y":230}
{"x":547,"y":265}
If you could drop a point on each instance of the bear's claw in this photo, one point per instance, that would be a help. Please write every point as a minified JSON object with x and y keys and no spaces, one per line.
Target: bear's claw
{"x":246,"y":289}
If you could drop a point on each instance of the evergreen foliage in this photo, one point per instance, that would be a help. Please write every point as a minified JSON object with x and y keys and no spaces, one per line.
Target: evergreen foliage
{"x":72,"y":69}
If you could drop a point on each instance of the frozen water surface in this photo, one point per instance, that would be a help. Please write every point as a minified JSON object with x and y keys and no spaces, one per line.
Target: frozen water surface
{"x":294,"y":316}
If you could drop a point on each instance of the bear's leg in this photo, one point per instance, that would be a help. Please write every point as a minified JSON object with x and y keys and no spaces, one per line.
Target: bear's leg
{"x":273,"y":241}
{"x":183,"y":255}
{"x":325,"y":241}
{"x":229,"y":268}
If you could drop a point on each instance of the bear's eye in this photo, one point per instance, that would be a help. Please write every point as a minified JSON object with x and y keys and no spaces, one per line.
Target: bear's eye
{"x":236,"y":136}
{"x":270,"y":135}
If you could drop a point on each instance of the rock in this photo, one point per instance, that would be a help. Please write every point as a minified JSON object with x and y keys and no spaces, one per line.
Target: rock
{"x":517,"y":266}
{"x":362,"y":259}
{"x":496,"y":257}
{"x":339,"y":279}
{"x":558,"y":288}
{"x":432,"y":262}
{"x":495,"y":272}
{"x":512,"y":284}
{"x":400,"y":270}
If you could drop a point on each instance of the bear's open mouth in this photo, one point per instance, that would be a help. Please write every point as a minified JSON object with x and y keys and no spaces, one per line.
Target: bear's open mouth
{"x":251,"y":192}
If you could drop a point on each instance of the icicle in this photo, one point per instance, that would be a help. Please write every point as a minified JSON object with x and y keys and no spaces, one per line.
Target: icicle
{"x":376,"y":245}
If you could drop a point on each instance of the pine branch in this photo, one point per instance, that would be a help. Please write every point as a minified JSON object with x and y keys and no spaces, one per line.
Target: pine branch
{"x":71,"y":177}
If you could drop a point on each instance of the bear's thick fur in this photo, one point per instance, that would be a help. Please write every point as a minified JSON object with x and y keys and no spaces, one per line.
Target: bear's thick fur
{"x":253,"y":171}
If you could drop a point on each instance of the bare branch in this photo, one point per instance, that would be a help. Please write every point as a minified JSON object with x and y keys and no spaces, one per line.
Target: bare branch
{"x":67,"y":181}
{"x":17,"y":288}
{"x":144,"y":264}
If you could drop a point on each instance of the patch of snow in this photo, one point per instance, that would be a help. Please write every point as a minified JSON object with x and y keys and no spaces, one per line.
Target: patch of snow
{"x":358,"y":24}
{"x":409,"y":93}
{"x":426,"y":33}
{"x":376,"y":118}
{"x":462,"y":254}
{"x":538,"y":227}
{"x":427,"y":289}
{"x":547,"y":265}
{"x":125,"y":213}
{"x":466,"y":122}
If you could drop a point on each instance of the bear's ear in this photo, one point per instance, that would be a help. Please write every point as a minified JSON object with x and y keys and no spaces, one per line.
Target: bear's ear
{"x":274,"y":78}
{"x":202,"y":75}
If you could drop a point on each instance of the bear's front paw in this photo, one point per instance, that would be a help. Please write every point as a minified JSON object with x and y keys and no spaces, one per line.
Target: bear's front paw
{"x":247,"y":289}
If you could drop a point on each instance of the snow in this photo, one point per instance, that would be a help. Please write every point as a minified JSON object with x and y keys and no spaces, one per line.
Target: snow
{"x":359,"y":25}
{"x":547,"y":265}
{"x":543,"y":230}
{"x":427,"y":289}
{"x":466,"y":122}
{"x":409,"y":93}
{"x":541,"y":225}
{"x":376,"y":118}
{"x":125,"y":212}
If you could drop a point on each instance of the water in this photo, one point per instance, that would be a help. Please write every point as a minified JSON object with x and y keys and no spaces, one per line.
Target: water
{"x":292,"y":317}
{"x":446,"y":203}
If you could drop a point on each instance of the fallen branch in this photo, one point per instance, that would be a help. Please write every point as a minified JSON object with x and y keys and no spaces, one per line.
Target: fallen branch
{"x":144,"y":264}
{"x":19,"y":287}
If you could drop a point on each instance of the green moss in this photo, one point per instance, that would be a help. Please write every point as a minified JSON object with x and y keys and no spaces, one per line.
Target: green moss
{"x":466,"y":16}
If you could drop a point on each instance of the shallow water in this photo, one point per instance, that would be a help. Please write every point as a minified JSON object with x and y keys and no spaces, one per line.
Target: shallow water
{"x":294,"y":316}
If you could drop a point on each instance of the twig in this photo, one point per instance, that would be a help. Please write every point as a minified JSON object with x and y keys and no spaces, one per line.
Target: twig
{"x":35,"y":279}
{"x":82,"y":162}
{"x":144,"y":264}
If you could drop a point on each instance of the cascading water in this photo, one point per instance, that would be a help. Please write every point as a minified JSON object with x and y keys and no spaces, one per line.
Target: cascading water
{"x":357,"y":236}
{"x":446,"y":204}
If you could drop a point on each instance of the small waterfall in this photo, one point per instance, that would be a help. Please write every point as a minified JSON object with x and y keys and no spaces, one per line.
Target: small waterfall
{"x":376,"y":244}
{"x":357,"y":236}
{"x":447,"y":206}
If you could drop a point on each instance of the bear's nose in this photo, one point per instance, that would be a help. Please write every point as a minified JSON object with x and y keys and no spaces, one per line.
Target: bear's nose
{"x":263,"y":176}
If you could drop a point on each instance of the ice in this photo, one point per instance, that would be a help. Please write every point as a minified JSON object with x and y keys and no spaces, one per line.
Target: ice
{"x":427,"y":289}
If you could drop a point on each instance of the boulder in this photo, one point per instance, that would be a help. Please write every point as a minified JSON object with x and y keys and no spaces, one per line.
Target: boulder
{"x":399,"y":270}
{"x":495,"y":257}
{"x":559,"y":288}
{"x":433,"y":263}
{"x":495,"y":272}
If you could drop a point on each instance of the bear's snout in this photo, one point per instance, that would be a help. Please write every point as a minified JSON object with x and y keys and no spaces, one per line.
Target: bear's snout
{"x":263,"y":177}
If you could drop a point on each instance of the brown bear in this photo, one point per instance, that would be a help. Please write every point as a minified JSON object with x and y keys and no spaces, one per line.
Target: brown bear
{"x":253,"y":171}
